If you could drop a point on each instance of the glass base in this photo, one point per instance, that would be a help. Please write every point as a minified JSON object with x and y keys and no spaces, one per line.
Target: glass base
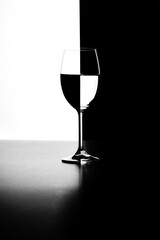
{"x":81,"y":157}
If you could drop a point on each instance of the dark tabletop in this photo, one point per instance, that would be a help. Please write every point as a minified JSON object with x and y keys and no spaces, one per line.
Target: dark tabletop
{"x":43,"y":198}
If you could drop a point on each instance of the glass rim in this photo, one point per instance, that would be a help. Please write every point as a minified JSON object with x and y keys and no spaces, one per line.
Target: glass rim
{"x":81,"y":49}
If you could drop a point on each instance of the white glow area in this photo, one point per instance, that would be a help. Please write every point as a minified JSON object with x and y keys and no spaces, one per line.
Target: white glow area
{"x":36,"y":165}
{"x":37,"y":175}
{"x":33,"y":35}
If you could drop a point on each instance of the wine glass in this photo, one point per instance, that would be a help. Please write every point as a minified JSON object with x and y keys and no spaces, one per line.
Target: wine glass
{"x":79,"y":81}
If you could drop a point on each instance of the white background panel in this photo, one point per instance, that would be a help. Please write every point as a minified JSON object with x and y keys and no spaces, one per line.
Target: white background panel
{"x":33,"y":34}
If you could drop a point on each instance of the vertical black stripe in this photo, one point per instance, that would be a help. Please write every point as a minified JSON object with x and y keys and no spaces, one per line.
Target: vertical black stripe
{"x":126,"y":36}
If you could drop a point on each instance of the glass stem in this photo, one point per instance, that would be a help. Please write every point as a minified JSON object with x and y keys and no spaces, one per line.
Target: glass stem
{"x":80,"y":118}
